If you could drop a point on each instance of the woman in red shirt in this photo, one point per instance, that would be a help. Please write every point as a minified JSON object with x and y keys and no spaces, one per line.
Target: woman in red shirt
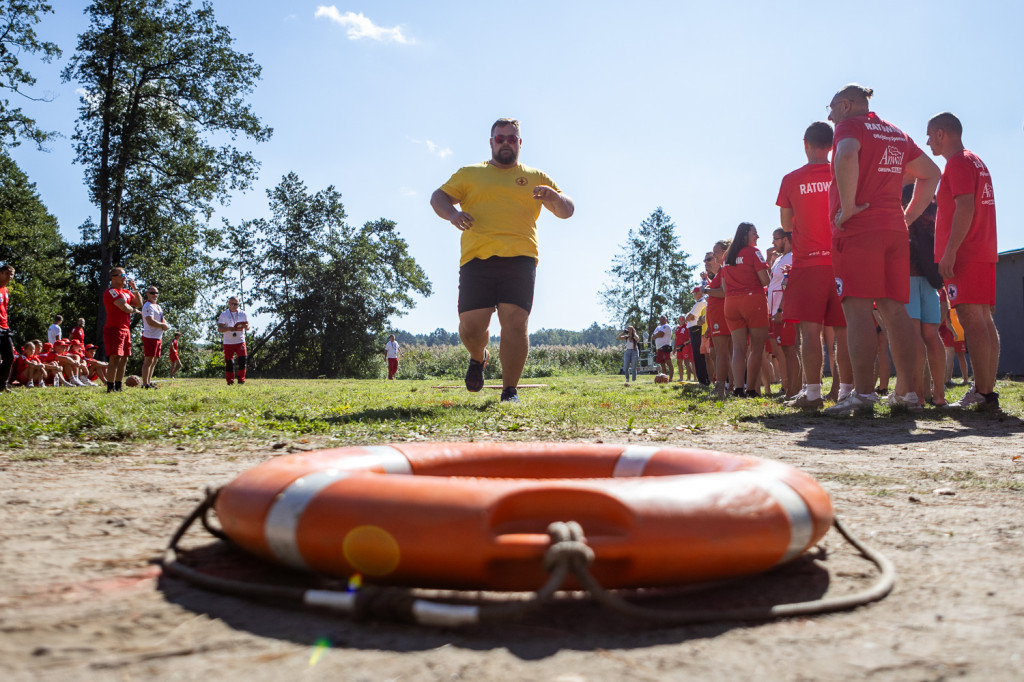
{"x":745,"y":275}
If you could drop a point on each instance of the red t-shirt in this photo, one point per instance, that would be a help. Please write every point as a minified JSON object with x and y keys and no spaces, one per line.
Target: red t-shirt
{"x":885,"y":151}
{"x":716,"y":305}
{"x":682,"y":336}
{"x":78,"y":333}
{"x":20,"y":363}
{"x":4,"y":298}
{"x":965,"y":173}
{"x":174,"y":349}
{"x":741,"y":278}
{"x":116,"y":318}
{"x":805,"y":190}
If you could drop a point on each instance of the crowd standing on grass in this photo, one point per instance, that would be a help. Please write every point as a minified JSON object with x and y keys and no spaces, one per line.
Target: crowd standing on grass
{"x":71,"y":361}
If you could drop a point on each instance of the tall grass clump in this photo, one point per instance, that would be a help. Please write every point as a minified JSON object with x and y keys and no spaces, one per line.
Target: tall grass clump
{"x":449,"y":362}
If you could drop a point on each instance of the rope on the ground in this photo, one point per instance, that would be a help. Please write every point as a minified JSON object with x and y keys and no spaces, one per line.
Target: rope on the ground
{"x":568,"y":555}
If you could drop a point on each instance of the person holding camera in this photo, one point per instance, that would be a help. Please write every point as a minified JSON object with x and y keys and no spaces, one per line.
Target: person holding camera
{"x":233,"y":324}
{"x":120,"y":303}
{"x":6,"y":340}
{"x":631,"y":354}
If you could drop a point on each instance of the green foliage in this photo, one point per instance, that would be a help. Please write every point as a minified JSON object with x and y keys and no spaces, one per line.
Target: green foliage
{"x":449,"y":362}
{"x":649,"y":275}
{"x":159,"y":79}
{"x":18,"y":37}
{"x":330,"y":287}
{"x":45,"y":283}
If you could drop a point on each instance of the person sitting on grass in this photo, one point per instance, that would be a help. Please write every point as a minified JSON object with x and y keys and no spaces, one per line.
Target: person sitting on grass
{"x":97,"y":368}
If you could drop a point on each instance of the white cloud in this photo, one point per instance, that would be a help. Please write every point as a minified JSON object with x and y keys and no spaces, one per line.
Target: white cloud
{"x":359,"y":26}
{"x":439,"y":152}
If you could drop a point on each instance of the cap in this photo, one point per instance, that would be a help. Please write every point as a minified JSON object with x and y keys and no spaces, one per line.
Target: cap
{"x":90,"y":346}
{"x":47,"y":347}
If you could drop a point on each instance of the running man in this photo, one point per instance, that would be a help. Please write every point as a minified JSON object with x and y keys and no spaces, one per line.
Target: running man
{"x":871,"y":246}
{"x":965,"y":249}
{"x":173,"y":356}
{"x":499,"y":203}
{"x":233,"y":324}
{"x":120,"y":303}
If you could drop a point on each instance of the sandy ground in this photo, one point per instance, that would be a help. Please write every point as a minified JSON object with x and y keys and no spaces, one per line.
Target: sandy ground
{"x":82,"y":599}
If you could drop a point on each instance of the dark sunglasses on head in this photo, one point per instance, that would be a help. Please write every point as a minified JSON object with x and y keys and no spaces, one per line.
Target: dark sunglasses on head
{"x":501,"y":139}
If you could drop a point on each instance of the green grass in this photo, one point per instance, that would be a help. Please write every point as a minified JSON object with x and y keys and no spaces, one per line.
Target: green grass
{"x":199,"y":413}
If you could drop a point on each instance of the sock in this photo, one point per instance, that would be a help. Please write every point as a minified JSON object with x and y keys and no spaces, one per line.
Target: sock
{"x":117,"y":385}
{"x":813,"y":391}
{"x":845,"y":390}
{"x":110,"y":387}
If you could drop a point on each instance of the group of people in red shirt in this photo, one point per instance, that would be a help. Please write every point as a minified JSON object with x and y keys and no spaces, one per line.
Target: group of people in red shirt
{"x":842,"y":268}
{"x":71,"y":362}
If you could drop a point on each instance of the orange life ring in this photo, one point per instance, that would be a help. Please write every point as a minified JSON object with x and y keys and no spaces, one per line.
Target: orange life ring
{"x":474,"y":515}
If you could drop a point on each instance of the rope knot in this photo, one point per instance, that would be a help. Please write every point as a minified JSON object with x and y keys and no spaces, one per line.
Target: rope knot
{"x":568,"y":546}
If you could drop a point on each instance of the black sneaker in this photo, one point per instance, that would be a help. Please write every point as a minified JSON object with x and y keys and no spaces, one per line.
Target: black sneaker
{"x":475,"y":373}
{"x":510,"y":394}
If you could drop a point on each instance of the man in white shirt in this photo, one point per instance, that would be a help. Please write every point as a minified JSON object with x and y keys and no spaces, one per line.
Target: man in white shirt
{"x":233,"y":324}
{"x":782,"y":333}
{"x":693,"y":326}
{"x":391,"y":348}
{"x":153,"y":327}
{"x":661,"y":339}
{"x":53,"y":332}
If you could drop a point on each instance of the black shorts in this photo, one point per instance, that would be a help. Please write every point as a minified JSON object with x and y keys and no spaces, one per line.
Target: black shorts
{"x":486,"y":283}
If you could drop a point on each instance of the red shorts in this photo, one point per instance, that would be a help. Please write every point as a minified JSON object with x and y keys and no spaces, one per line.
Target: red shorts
{"x":972,"y":283}
{"x":117,"y":341}
{"x":960,"y":346}
{"x":783,"y":333}
{"x":873,"y":264}
{"x":173,"y":357}
{"x":946,"y":334}
{"x":662,"y":357}
{"x":233,"y":349}
{"x":686,"y":353}
{"x":812,"y":296}
{"x":746,"y":311}
{"x":151,"y":347}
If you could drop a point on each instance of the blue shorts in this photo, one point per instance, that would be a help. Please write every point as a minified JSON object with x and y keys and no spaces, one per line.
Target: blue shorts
{"x":924,"y":302}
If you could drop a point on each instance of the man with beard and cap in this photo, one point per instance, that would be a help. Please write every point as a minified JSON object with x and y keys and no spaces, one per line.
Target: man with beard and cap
{"x":499,"y":202}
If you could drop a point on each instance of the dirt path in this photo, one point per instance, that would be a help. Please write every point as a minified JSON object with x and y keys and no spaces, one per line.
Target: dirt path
{"x":81,"y":599}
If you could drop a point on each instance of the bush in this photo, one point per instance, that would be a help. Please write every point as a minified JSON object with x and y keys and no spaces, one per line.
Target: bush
{"x":449,"y":362}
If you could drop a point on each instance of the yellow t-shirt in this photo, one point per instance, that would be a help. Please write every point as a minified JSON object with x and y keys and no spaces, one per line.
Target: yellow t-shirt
{"x":503,"y":209}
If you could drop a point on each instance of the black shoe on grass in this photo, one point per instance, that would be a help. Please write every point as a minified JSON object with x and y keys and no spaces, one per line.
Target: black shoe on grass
{"x":475,"y":373}
{"x":510,"y":394}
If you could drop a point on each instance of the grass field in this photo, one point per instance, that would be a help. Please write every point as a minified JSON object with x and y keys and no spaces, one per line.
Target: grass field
{"x":204,"y":412}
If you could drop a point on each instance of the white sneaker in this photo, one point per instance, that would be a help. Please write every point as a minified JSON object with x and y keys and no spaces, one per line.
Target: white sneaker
{"x":852,"y":404}
{"x":972,"y":397}
{"x":909,"y":402}
{"x":75,"y":381}
{"x":88,"y":382}
{"x":30,"y":384}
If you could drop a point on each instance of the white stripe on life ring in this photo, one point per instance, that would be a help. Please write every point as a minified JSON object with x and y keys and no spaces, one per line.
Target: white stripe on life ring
{"x":633,"y":460}
{"x":801,"y":525}
{"x":281,"y":525}
{"x":282,"y":522}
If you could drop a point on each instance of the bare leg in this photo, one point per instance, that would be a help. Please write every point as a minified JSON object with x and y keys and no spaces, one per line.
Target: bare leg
{"x":515,"y":342}
{"x":902,"y":342}
{"x":474,"y":330}
{"x":982,"y":343}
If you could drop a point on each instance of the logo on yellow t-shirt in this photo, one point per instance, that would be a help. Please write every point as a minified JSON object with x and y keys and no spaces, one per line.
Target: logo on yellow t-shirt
{"x":521,"y":181}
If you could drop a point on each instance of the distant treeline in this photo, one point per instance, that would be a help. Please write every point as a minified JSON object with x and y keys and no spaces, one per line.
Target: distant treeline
{"x":594,"y":335}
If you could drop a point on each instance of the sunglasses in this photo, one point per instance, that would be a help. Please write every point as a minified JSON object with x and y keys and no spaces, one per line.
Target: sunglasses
{"x":153,"y":293}
{"x":708,"y":260}
{"x":501,"y":139}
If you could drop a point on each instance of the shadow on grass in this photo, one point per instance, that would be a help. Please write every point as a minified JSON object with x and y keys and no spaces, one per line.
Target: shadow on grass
{"x":932,"y":425}
{"x":567,"y":624}
{"x":386,"y":414}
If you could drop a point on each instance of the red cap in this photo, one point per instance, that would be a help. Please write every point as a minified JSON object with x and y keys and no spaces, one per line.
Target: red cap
{"x":47,"y":347}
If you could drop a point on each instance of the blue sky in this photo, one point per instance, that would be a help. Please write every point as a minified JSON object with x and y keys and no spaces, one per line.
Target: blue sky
{"x":695,"y":107}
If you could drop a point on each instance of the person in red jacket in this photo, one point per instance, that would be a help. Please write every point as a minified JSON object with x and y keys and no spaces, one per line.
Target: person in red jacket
{"x":6,"y":340}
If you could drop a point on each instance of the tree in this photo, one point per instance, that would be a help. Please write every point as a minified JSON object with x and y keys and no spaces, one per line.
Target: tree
{"x":30,"y":240}
{"x":331,"y":288}
{"x":159,"y":79}
{"x":649,"y":275}
{"x":17,"y":36}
